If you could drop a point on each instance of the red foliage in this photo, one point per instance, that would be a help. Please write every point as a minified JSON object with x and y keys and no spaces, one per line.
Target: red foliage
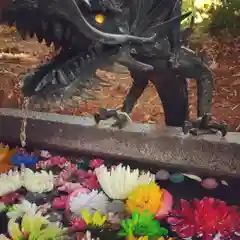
{"x":205,"y":218}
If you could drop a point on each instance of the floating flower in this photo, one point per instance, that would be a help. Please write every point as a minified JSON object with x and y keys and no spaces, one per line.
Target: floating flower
{"x":10,"y":182}
{"x":45,"y":154}
{"x":60,"y":202}
{"x":205,"y":218}
{"x":95,"y":163}
{"x":3,"y":237}
{"x":78,"y":224}
{"x":151,"y":198}
{"x":91,"y":182}
{"x":72,"y":171}
{"x":95,"y":219}
{"x":65,"y":175}
{"x":70,"y":187}
{"x":142,"y":224}
{"x":52,"y":162}
{"x":34,"y":227}
{"x":21,"y":158}
{"x":10,"y":198}
{"x":88,"y":236}
{"x":38,"y":182}
{"x":4,"y":167}
{"x":120,"y":181}
{"x":25,"y":207}
{"x":6,"y":153}
{"x":90,"y":201}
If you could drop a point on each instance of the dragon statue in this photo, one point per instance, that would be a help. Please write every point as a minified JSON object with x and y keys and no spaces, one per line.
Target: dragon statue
{"x":143,"y":35}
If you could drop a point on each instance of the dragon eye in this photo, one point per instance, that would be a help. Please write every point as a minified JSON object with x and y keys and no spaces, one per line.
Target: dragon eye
{"x":99,"y":18}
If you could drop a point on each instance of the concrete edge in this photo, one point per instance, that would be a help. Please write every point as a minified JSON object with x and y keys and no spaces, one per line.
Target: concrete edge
{"x":140,"y":142}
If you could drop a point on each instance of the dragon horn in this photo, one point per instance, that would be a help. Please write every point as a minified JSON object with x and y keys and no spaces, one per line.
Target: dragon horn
{"x":82,"y":24}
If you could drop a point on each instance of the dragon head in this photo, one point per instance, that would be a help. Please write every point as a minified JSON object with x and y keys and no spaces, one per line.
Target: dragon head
{"x":90,"y":33}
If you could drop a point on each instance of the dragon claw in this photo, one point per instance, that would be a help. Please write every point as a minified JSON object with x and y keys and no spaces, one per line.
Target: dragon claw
{"x":204,"y":125}
{"x":121,"y":118}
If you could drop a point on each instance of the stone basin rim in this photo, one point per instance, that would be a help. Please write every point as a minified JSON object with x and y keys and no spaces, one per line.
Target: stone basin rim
{"x":145,"y":143}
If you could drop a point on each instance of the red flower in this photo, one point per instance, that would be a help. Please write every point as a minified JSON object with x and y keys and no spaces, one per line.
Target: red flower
{"x":59,"y":202}
{"x":95,"y":163}
{"x":91,"y":182}
{"x":10,"y":198}
{"x":182,"y":220}
{"x":78,"y":224}
{"x":205,"y":218}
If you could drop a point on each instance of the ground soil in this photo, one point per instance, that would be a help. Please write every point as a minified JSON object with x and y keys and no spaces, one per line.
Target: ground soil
{"x":17,"y":57}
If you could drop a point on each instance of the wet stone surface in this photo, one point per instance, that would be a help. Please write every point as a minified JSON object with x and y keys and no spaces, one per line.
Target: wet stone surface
{"x":107,"y":199}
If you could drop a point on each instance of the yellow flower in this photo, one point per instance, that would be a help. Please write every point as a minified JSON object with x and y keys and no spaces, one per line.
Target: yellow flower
{"x":145,"y":197}
{"x":36,"y":227}
{"x":14,"y":230}
{"x":93,"y":219}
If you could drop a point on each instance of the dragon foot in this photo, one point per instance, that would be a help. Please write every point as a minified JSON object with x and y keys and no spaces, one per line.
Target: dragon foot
{"x":121,"y":118}
{"x":204,"y":125}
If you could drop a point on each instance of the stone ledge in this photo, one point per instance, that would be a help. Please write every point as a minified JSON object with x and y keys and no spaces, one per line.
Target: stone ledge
{"x":140,"y":142}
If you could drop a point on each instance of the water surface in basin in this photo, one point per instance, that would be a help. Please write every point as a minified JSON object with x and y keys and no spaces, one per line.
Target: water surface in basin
{"x":111,"y":201}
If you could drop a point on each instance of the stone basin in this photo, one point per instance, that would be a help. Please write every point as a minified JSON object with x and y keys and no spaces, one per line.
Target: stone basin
{"x":140,"y":143}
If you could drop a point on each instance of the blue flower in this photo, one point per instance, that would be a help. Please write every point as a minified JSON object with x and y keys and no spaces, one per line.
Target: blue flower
{"x":27,"y":160}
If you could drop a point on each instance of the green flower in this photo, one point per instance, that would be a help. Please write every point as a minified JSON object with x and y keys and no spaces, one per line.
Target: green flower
{"x":142,"y":225}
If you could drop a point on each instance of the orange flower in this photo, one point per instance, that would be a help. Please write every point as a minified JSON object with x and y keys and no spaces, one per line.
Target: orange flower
{"x":6,"y":153}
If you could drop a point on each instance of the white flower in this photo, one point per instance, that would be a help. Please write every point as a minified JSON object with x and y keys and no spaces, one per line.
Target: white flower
{"x":25,"y":207}
{"x":10,"y":182}
{"x":45,"y":154}
{"x":38,"y":182}
{"x":88,"y":236}
{"x":120,"y":181}
{"x":92,"y":202}
{"x":34,"y":182}
{"x":2,"y":237}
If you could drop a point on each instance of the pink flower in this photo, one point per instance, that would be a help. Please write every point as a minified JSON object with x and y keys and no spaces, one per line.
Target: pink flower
{"x":69,"y":187}
{"x":78,"y":224}
{"x":51,"y":162}
{"x":60,"y":202}
{"x":205,"y":218}
{"x":57,"y":160}
{"x":95,"y":163}
{"x":80,"y":174}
